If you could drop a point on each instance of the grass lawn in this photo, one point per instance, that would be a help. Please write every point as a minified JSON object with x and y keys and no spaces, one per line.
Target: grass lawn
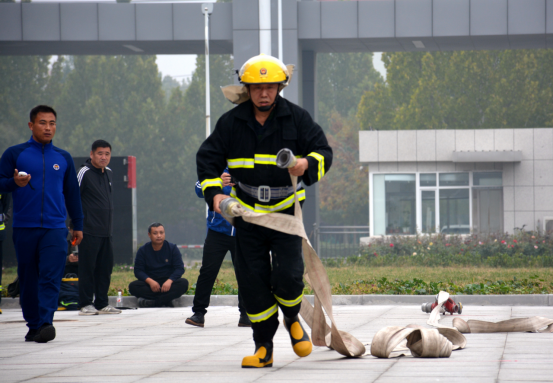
{"x":384,"y":280}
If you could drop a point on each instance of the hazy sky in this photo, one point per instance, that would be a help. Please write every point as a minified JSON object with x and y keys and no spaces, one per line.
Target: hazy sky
{"x":182,"y":66}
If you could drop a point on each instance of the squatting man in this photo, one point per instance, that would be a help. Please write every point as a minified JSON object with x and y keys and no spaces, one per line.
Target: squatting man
{"x":268,"y":264}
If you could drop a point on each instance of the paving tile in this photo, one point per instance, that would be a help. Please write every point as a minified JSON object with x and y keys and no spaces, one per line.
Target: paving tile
{"x":156,"y":345}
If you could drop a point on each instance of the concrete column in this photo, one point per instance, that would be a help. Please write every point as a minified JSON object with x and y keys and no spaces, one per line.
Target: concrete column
{"x":311,"y":205}
{"x":245,"y":30}
{"x":265,"y":27}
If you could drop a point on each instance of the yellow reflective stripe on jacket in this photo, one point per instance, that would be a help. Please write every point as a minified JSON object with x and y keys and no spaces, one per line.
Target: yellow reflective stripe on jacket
{"x":211,"y":182}
{"x":265,"y":159}
{"x":321,"y":160}
{"x":2,"y":226}
{"x":263,"y":315}
{"x":249,"y":163}
{"x":291,"y":303}
{"x":234,"y":163}
{"x":283,"y":205}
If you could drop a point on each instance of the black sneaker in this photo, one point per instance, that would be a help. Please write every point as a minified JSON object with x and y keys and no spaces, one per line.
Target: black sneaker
{"x":169,"y":304}
{"x":146,"y":303}
{"x":244,"y":321}
{"x":45,"y":333}
{"x":196,"y":320}
{"x":30,"y":337}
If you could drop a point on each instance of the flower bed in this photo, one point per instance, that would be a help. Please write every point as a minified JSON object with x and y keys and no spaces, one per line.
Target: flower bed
{"x":496,"y":250}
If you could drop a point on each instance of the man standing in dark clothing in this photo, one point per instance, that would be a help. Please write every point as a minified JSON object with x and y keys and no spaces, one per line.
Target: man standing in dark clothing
{"x":158,"y":266}
{"x":96,"y":250}
{"x":220,"y":240}
{"x":39,"y":207}
{"x":5,"y":215}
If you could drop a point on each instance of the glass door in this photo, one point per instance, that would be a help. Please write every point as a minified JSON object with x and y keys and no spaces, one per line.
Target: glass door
{"x":428,"y":211}
{"x":487,"y":210}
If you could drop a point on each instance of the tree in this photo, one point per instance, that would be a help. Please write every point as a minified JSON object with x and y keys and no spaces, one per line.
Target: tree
{"x":22,"y":86}
{"x":344,"y":190}
{"x":462,"y":90}
{"x":342,"y":79}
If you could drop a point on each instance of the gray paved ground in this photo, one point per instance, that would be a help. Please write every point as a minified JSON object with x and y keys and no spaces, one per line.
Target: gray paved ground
{"x":155,"y":345}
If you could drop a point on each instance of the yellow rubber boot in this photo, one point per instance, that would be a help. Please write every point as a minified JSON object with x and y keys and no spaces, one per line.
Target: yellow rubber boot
{"x":301,"y":343}
{"x":263,"y":356}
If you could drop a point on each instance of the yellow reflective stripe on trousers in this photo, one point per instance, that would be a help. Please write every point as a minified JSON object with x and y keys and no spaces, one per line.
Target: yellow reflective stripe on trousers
{"x":2,"y":226}
{"x":283,"y":205}
{"x":234,"y":163}
{"x":321,"y":160}
{"x":263,"y":315}
{"x":211,"y":182}
{"x":291,"y":303}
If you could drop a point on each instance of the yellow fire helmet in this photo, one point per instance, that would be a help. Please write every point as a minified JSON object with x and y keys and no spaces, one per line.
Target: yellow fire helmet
{"x":263,"y":69}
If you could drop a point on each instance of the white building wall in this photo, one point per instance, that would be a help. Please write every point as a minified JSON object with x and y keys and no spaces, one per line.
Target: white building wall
{"x":527,"y":185}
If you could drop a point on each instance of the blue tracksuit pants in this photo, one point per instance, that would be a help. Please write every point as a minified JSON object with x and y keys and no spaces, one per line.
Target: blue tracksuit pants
{"x":41,"y":255}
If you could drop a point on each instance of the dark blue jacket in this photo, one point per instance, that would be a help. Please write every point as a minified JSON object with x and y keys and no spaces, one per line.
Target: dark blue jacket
{"x":215,"y":221}
{"x":55,"y":185}
{"x":163,"y":264}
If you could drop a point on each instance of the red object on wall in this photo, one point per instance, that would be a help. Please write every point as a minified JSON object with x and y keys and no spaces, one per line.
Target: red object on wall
{"x":131,"y":172}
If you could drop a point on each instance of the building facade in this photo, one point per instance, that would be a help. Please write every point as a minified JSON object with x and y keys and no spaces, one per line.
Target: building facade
{"x":459,"y":181}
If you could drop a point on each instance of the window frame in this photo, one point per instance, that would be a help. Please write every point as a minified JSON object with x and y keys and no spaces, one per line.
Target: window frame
{"x":436,"y":189}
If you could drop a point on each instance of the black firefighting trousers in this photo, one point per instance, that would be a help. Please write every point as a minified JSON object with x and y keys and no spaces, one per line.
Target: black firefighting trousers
{"x":266,"y":280}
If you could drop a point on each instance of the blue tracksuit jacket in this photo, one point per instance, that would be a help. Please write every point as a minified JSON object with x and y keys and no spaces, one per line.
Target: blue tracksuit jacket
{"x":215,"y":221}
{"x":55,"y":185}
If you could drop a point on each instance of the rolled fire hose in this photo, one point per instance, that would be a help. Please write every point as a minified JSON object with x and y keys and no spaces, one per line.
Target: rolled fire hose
{"x":394,"y":341}
{"x":321,"y":334}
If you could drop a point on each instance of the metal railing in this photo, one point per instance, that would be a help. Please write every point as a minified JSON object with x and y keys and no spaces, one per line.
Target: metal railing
{"x":338,"y":241}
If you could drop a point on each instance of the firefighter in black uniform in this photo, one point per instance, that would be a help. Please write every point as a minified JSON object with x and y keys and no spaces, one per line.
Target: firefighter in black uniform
{"x":269,"y":265}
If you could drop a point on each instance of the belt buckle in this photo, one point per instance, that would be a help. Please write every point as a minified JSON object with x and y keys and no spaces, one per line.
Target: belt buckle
{"x":264,"y":193}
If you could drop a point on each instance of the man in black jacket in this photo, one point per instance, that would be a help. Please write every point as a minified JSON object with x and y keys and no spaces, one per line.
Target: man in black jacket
{"x":96,"y":251}
{"x":159,"y":268}
{"x":268,"y":263}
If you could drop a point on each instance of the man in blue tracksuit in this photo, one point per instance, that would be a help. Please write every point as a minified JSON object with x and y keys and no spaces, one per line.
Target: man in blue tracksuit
{"x":41,"y":195}
{"x":220,"y":239}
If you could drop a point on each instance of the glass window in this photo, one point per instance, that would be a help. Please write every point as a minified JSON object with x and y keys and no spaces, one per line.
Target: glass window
{"x":487,"y":210}
{"x":428,"y":179}
{"x":394,"y":206}
{"x":487,"y":179}
{"x":428,"y":203}
{"x":454,"y":179}
{"x":454,"y":211}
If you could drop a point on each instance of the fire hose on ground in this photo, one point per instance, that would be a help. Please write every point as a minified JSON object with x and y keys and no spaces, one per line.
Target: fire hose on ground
{"x":391,"y":341}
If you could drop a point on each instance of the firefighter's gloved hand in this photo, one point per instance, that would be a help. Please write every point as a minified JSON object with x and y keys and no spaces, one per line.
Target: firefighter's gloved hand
{"x":300,"y":168}
{"x":217,"y":201}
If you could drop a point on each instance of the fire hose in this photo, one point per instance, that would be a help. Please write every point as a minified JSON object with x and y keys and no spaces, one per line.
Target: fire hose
{"x":391,"y":341}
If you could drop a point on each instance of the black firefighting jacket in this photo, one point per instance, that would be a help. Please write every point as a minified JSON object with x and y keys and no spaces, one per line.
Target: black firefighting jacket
{"x":252,"y":160}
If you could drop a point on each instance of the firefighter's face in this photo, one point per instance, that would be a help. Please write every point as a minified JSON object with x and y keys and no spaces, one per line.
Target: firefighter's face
{"x":263,"y":94}
{"x":157,"y":235}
